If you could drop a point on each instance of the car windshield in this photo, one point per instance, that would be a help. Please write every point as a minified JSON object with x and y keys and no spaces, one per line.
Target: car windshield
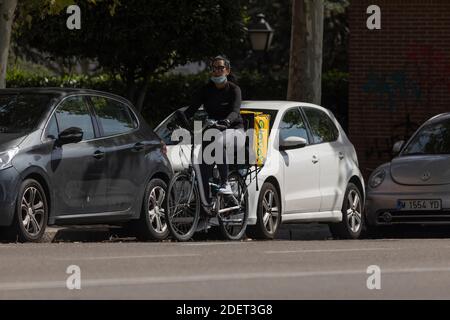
{"x":20,"y":113}
{"x":165,"y":129}
{"x":431,"y":139}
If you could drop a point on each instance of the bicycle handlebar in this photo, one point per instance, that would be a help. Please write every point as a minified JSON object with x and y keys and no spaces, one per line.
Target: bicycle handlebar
{"x":209,"y":124}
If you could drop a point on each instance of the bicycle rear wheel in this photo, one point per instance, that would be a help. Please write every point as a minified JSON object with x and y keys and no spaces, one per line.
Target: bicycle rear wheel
{"x":234,"y":223}
{"x":183,"y":207}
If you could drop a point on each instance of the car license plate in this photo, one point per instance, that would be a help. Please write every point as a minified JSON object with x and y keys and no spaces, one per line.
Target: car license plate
{"x":419,"y":205}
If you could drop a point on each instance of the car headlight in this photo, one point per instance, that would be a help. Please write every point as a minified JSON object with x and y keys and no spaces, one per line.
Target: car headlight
{"x":6,"y":157}
{"x":377,"y":178}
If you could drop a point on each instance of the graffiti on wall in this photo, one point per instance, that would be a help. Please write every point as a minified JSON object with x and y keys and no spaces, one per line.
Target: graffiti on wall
{"x":426,"y":69}
{"x":426,"y":72}
{"x":389,"y":89}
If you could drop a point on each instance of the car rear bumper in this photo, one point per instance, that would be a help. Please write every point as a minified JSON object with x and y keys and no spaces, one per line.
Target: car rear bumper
{"x":382,"y":209}
{"x":9,"y":182}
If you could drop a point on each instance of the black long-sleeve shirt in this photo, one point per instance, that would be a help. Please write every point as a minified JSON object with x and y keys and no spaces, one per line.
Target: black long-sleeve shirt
{"x":220,"y":104}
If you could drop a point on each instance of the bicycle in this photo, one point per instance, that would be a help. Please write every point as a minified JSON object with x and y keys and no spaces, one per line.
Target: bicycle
{"x":186,"y":197}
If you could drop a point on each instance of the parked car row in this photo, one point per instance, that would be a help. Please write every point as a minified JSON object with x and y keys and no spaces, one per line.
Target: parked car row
{"x":73,"y":156}
{"x":318,"y":179}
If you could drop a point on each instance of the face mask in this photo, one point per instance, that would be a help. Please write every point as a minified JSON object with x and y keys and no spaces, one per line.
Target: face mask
{"x":219,"y":80}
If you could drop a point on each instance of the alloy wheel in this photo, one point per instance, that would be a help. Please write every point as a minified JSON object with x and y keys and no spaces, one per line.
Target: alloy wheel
{"x":354,"y":212}
{"x":270,"y":211}
{"x":33,"y":211}
{"x":156,"y":210}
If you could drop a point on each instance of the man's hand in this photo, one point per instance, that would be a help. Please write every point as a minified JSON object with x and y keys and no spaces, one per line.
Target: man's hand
{"x":226,"y":123}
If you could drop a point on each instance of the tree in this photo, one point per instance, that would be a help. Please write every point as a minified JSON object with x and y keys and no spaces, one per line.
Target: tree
{"x":305,"y":69}
{"x":7,"y":8}
{"x":335,"y":36}
{"x":30,"y":12}
{"x":142,"y":38}
{"x":12,"y":11}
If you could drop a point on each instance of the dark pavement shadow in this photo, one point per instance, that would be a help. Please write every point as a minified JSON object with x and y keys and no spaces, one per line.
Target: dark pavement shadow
{"x":290,"y":232}
{"x":308,"y":231}
{"x":91,"y":234}
{"x":412,"y":232}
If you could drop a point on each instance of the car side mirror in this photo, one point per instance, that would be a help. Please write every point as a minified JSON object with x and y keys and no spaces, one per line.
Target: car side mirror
{"x":398,"y":146}
{"x":292,"y":143}
{"x":70,"y":135}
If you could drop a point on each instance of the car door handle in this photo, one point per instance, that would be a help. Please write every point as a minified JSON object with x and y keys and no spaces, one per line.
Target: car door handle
{"x":99,"y":154}
{"x":341,"y":155}
{"x":139,"y":146}
{"x":315,"y":159}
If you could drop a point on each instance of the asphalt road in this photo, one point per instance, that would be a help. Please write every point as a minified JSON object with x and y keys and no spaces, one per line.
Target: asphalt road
{"x":304,"y":263}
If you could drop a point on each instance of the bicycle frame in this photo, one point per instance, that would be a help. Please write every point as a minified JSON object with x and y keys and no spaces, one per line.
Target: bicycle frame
{"x":196,"y":180}
{"x":232,"y":225}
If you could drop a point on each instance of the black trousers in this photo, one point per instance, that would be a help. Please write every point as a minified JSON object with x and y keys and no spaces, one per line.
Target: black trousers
{"x":234,"y":140}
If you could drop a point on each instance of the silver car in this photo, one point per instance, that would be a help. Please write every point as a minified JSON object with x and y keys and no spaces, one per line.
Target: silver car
{"x":415,"y":186}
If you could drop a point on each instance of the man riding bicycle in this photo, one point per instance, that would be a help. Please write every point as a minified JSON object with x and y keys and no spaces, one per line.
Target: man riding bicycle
{"x":221,"y":100}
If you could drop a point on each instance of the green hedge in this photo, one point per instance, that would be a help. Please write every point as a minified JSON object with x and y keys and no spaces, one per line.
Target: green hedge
{"x":169,"y":92}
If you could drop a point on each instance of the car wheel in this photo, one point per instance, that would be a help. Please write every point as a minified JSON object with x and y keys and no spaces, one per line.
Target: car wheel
{"x":268,"y":214}
{"x":152,"y":222}
{"x":352,"y":224}
{"x":31,"y":216}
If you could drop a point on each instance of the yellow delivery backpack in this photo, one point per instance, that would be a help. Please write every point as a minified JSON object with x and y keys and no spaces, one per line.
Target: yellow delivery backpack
{"x":259,"y":122}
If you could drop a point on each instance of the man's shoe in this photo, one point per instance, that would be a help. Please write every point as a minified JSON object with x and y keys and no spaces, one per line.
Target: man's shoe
{"x":225,"y":188}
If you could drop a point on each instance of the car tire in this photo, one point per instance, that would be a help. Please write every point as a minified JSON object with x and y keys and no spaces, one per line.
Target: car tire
{"x":31,"y":215}
{"x":353,"y":221}
{"x":152,"y":223}
{"x":268,"y":220}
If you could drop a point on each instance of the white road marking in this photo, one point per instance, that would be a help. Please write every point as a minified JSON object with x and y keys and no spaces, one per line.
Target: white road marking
{"x":330,"y":250}
{"x":86,"y":283}
{"x":150,"y":256}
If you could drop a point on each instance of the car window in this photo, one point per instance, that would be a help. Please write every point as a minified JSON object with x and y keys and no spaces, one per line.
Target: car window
{"x":52,"y":128}
{"x":21,"y":112}
{"x":272,"y":113}
{"x":165,"y":130}
{"x":74,"y":112}
{"x":431,"y":139}
{"x":322,"y":127}
{"x":114,"y":116}
{"x":293,"y":125}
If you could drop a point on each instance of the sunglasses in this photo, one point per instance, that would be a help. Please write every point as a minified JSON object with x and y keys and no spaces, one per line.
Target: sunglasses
{"x":219,"y":68}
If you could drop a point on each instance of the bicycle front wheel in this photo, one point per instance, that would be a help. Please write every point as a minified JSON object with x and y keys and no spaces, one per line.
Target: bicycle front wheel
{"x":183,"y":207}
{"x":234,"y":223}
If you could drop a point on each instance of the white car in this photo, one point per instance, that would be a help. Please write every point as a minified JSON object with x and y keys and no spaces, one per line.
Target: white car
{"x":310,"y":174}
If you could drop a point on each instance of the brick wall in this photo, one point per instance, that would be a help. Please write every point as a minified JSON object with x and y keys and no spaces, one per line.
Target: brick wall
{"x":399,"y":75}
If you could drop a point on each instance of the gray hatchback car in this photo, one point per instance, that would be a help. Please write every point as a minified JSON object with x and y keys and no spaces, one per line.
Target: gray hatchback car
{"x":415,"y":186}
{"x":72,"y":156}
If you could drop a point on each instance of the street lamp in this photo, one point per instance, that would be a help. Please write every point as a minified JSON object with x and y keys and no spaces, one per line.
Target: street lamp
{"x":261,"y":34}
